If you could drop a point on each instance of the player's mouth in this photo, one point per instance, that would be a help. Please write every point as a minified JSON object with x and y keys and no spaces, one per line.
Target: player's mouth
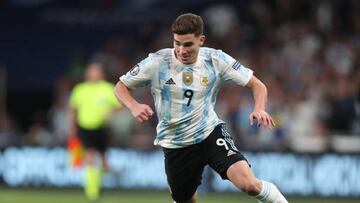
{"x":185,"y":58}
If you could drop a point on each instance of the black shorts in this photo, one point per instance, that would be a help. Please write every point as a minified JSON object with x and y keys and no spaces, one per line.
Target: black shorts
{"x":94,"y":139}
{"x":184,"y":166}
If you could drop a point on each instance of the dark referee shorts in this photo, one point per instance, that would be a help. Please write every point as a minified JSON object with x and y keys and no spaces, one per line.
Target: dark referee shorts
{"x":94,"y":139}
{"x":184,"y":166}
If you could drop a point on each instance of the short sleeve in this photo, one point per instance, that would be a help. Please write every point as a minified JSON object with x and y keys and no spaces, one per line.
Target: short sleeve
{"x":232,"y":71}
{"x":140,"y":75}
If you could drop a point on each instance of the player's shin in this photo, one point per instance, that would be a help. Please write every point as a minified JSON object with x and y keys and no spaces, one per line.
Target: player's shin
{"x":92,"y":182}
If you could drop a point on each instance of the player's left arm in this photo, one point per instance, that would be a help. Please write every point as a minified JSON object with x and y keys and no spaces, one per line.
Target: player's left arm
{"x":259,"y":92}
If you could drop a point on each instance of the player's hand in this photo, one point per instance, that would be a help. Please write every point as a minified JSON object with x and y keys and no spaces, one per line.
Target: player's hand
{"x":142,"y":112}
{"x":263,"y":119}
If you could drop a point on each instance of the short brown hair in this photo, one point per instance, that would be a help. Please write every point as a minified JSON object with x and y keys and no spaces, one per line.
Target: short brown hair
{"x":188,"y":23}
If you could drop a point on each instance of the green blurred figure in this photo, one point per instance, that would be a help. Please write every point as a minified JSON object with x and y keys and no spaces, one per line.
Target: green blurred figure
{"x":92,"y":103}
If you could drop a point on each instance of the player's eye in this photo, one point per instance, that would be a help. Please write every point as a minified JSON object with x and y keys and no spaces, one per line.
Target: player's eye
{"x":188,"y":44}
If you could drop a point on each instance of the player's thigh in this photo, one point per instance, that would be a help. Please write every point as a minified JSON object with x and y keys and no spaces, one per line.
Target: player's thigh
{"x":183,"y":168}
{"x":222,"y":152}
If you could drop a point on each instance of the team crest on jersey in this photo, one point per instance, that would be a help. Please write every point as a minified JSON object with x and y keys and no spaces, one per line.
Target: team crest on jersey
{"x":204,"y":80}
{"x":135,"y":70}
{"x":187,"y":78}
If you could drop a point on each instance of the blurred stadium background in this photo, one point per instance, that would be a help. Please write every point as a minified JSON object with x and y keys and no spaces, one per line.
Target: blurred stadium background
{"x":307,"y":52}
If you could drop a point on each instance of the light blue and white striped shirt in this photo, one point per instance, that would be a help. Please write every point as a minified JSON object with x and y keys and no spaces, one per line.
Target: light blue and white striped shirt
{"x":185,"y":95}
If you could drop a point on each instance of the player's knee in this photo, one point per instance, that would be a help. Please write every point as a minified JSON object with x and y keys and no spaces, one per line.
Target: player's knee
{"x":251,"y":187}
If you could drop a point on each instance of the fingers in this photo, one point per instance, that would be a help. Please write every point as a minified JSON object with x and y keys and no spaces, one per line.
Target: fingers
{"x":255,"y":117}
{"x":149,"y":111}
{"x":265,"y":121}
{"x":262,"y":118}
{"x":269,"y":121}
{"x":273,"y":122}
{"x":139,"y":119}
{"x":251,"y":119}
{"x":143,"y":113}
{"x":142,"y":117}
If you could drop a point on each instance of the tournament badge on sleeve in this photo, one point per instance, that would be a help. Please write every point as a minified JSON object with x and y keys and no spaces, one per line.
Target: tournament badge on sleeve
{"x":187,"y":78}
{"x":76,"y":151}
{"x":135,"y":70}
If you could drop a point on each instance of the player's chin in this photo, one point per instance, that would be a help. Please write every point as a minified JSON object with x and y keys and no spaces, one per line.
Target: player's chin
{"x":184,"y":60}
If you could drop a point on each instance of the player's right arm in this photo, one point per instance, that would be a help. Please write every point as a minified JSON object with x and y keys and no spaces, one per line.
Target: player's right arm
{"x":140,"y":75}
{"x":141,"y":112}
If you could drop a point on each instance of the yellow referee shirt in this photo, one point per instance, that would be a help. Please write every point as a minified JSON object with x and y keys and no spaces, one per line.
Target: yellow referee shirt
{"x":93,"y":101}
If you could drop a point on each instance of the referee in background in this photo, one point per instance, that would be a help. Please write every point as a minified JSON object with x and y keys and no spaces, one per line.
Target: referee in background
{"x":91,"y":105}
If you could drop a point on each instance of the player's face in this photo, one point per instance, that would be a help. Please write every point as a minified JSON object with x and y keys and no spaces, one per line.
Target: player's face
{"x":187,"y":47}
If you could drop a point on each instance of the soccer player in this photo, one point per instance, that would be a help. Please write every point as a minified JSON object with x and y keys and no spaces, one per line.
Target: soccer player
{"x":184,"y":82}
{"x":91,"y":104}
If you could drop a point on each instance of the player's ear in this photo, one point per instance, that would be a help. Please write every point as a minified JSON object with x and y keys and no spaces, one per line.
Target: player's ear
{"x":202,"y":39}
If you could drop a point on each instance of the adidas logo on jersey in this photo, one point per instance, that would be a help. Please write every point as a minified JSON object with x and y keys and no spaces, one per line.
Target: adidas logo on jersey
{"x":170,"y":82}
{"x":230,"y":152}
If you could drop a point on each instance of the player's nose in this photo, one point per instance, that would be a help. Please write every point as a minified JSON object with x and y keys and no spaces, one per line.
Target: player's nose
{"x":182,"y":50}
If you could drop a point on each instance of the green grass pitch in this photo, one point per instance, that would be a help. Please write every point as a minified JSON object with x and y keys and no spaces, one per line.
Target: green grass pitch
{"x":34,"y":195}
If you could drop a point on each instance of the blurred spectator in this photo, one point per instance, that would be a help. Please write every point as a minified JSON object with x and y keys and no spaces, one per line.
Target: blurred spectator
{"x":356,"y":126}
{"x":342,"y":106}
{"x":38,"y":134}
{"x":9,"y":133}
{"x":221,"y":19}
{"x":122,"y":128}
{"x":58,"y":114}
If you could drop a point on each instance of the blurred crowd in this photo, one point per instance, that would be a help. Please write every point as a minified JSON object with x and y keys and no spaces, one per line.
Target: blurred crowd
{"x":306,"y":52}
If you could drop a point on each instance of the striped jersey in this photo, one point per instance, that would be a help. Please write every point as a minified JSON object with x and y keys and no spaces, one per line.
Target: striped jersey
{"x":185,"y":95}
